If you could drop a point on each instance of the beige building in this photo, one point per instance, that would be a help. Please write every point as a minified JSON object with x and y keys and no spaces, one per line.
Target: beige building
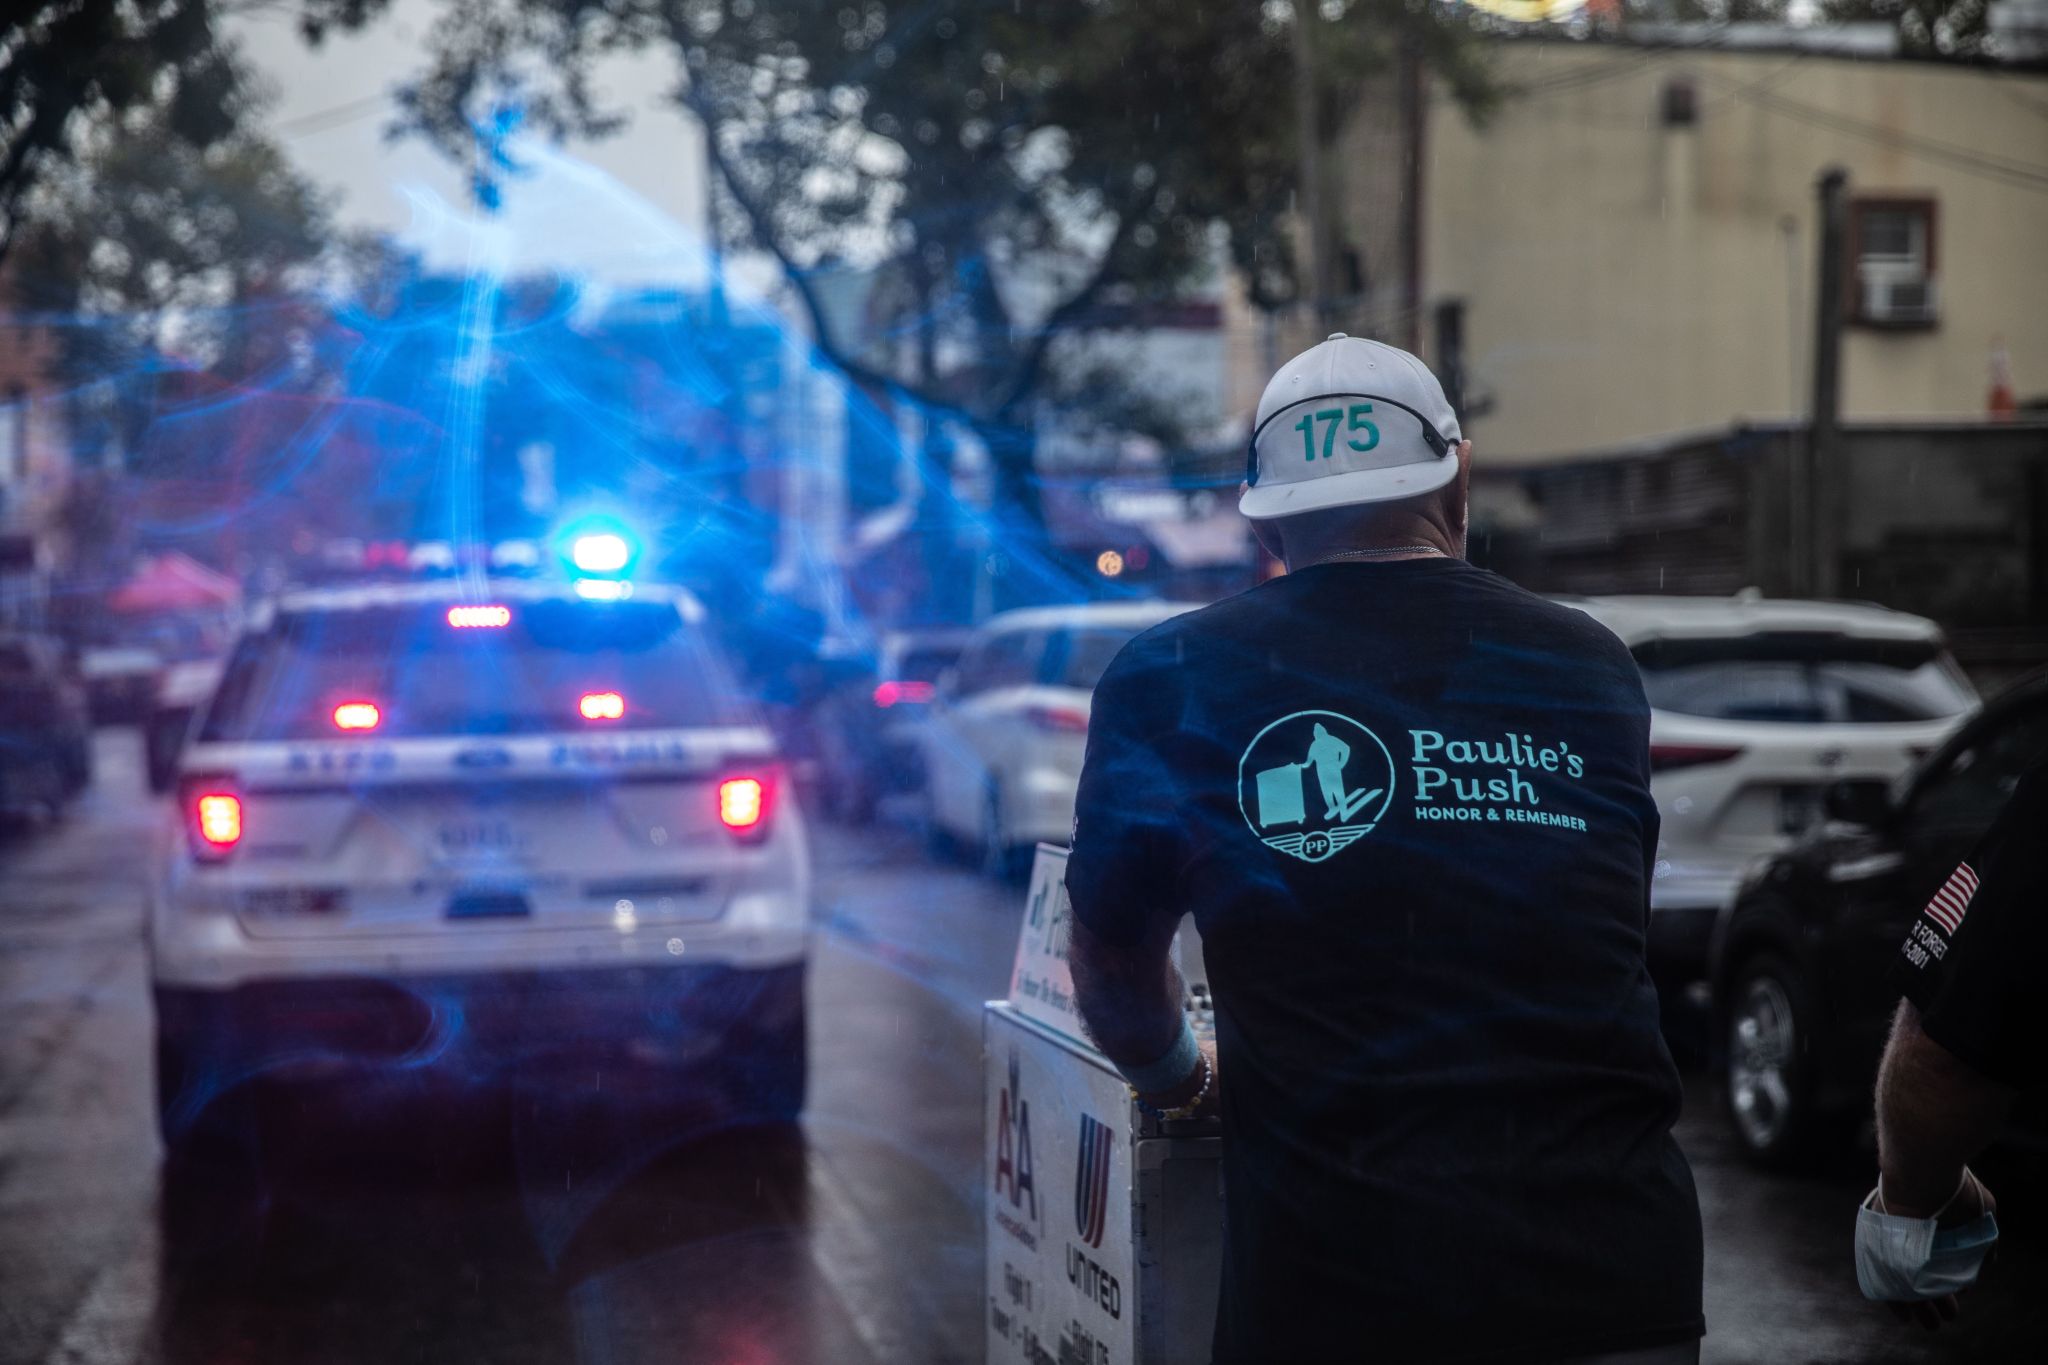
{"x":1632,"y":237}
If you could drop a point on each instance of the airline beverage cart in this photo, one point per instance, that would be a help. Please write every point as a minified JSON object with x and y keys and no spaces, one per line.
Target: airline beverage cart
{"x":1104,"y":1230}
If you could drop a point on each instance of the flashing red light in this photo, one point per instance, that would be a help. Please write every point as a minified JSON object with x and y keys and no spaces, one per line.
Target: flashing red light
{"x":490,"y":617}
{"x":601,"y":705}
{"x":1666,"y":758}
{"x":217,"y":820}
{"x":910,"y":690}
{"x":1059,"y":720}
{"x":742,"y":803}
{"x":357,"y":715}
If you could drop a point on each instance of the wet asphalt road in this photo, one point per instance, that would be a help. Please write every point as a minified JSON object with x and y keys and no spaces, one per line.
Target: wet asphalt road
{"x":857,"y":1240}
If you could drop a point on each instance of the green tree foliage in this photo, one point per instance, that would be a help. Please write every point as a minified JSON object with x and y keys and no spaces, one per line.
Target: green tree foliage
{"x":1928,"y":28}
{"x":143,"y":238}
{"x":997,"y":170}
{"x":65,"y":64}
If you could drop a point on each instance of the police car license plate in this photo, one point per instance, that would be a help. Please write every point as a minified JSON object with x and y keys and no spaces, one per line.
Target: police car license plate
{"x":488,"y":902}
{"x":480,"y":837}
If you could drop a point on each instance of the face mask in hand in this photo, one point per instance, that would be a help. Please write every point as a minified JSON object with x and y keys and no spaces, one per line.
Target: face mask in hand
{"x":1904,"y":1259}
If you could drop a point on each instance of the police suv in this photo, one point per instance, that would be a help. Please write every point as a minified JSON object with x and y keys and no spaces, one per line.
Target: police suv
{"x":482,"y":821}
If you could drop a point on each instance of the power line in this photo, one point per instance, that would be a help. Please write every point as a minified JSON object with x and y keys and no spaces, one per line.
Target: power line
{"x":2014,"y":174}
{"x":320,"y":120}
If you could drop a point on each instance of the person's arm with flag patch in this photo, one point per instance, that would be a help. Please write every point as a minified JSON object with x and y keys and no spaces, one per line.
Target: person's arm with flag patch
{"x":1967,"y":1035}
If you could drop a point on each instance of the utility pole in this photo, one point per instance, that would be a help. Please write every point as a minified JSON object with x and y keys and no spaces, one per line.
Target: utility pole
{"x":1308,"y":130}
{"x":1818,"y":505}
{"x":1414,"y":117}
{"x":1450,"y":353}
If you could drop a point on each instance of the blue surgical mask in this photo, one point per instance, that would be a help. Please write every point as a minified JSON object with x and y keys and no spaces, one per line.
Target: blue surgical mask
{"x":1905,"y":1259}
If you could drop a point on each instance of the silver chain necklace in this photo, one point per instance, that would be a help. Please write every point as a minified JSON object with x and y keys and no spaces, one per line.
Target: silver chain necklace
{"x":1375,"y":553}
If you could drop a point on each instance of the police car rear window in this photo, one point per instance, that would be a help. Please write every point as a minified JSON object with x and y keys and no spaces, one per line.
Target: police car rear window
{"x":427,"y":677}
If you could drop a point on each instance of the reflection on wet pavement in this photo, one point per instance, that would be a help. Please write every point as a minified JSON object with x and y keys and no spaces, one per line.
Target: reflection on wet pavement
{"x":590,"y":1223}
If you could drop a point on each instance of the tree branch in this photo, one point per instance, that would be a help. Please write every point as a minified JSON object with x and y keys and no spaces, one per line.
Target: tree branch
{"x":1025,"y":377}
{"x":759,"y":219}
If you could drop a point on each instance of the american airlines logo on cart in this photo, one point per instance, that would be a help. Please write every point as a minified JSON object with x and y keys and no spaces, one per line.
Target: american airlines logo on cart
{"x":1014,"y":1179}
{"x":1313,"y":783}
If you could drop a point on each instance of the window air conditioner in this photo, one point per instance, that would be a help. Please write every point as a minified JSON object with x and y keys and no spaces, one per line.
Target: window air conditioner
{"x":1897,"y":296}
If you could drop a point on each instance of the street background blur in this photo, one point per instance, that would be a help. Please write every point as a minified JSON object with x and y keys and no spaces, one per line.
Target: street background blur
{"x":869,"y":323}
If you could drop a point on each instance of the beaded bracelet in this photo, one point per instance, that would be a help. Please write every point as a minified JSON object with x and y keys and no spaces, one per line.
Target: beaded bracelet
{"x":1181,"y":1111}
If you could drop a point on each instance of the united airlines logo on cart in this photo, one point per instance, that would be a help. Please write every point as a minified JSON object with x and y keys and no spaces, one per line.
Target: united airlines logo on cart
{"x":1091,"y":1179}
{"x":1314,"y":783}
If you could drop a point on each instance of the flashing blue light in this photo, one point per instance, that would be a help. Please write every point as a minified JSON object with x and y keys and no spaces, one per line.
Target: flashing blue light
{"x":604,"y":552}
{"x":603,"y":590}
{"x":598,"y":546}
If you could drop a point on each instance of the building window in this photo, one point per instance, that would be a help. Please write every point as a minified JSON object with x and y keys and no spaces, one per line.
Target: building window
{"x":1891,"y":254}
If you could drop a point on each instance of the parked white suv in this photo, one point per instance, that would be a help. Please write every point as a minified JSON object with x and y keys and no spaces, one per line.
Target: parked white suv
{"x":487,"y":826}
{"x":1756,"y":707}
{"x":1007,"y":729}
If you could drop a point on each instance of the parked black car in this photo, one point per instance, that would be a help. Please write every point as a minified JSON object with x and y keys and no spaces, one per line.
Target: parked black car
{"x":864,"y":723}
{"x":45,"y":729}
{"x":180,"y":692}
{"x":1800,"y":969}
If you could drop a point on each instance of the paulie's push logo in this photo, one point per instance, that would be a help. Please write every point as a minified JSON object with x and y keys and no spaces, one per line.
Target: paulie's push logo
{"x":1314,"y":783}
{"x":1091,"y":1179}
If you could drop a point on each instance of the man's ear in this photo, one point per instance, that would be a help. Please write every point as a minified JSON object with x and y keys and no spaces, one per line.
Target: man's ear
{"x":1267,"y":534}
{"x":1463,"y":483}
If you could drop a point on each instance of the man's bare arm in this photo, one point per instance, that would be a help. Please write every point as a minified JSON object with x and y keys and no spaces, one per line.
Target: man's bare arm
{"x":1933,"y":1114}
{"x":1128,"y":997}
{"x":1130,"y":1001}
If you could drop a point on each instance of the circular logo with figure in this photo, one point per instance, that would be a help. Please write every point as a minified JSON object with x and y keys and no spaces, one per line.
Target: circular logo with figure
{"x":1314,"y":783}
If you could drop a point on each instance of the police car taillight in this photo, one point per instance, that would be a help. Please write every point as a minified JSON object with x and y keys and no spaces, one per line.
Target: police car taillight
{"x":213,"y":817}
{"x":743,"y":804}
{"x":601,"y":706}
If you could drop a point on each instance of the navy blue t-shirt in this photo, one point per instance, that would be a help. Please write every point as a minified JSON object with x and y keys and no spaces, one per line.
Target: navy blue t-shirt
{"x":1408,"y":806}
{"x":1969,"y":957}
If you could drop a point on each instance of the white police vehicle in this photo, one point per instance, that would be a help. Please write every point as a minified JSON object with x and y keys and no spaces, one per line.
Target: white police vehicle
{"x":481,"y":822}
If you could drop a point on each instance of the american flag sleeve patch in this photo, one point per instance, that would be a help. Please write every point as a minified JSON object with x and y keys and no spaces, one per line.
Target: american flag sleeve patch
{"x":1949,"y":903}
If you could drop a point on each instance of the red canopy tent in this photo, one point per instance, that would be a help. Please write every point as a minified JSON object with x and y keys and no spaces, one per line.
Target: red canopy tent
{"x":173,"y":582}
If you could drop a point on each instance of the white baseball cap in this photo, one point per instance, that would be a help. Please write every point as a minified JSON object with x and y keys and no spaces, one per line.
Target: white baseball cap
{"x":1348,"y":421}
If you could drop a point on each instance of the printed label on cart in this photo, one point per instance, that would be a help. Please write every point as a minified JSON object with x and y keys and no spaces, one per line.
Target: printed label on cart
{"x":1057,"y":1189}
{"x":1041,"y":985}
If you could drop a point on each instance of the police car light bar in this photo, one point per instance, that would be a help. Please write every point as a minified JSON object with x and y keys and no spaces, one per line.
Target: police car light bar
{"x":605,"y":552}
{"x":601,"y":706}
{"x":490,"y":617}
{"x":357,"y":715}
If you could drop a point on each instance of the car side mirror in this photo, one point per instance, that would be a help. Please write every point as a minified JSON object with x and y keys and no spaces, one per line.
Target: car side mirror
{"x":1858,"y":801}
